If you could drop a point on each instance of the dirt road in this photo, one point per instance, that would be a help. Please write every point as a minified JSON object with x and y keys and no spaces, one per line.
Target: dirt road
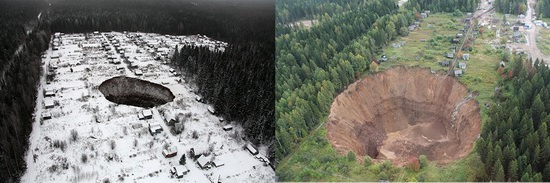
{"x":531,"y":45}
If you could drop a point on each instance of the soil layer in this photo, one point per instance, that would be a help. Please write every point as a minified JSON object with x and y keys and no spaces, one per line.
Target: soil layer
{"x":402,"y":113}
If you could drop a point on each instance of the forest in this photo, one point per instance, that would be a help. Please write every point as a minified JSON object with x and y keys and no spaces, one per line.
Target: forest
{"x":515,"y":7}
{"x":514,"y":143}
{"x":313,"y":65}
{"x":447,"y":6}
{"x":23,"y":40}
{"x":243,"y":76}
{"x":543,"y":8}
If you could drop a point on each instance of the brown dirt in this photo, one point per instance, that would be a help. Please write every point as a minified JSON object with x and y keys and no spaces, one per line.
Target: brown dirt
{"x":403,"y":113}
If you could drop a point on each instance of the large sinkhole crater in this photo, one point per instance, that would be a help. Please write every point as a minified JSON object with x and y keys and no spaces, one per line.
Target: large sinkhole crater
{"x":135,"y":92}
{"x":402,"y":113}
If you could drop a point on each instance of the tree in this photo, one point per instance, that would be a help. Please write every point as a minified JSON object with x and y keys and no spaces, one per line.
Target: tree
{"x":182,"y":160}
{"x":512,"y":171}
{"x":499,"y":174}
{"x":351,"y":156}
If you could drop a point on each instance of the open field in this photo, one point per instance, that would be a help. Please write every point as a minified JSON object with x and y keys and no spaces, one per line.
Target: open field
{"x":80,"y":136}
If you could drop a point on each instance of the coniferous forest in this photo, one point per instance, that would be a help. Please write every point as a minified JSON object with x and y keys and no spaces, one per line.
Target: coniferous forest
{"x":239,"y":82}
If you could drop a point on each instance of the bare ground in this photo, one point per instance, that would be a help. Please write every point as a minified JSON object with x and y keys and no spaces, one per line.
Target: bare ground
{"x":403,"y":113}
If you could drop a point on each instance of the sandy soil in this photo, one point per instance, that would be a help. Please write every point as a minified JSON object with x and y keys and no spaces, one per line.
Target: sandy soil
{"x":403,"y":113}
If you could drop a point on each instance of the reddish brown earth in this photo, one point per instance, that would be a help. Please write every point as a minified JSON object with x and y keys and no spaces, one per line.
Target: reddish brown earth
{"x":403,"y":113}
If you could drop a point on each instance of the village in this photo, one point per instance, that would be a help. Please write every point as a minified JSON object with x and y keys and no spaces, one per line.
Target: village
{"x":79,"y":135}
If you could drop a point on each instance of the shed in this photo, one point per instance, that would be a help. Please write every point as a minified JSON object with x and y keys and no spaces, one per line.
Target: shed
{"x":154,"y":128}
{"x":211,"y":110}
{"x":170,"y":152}
{"x":462,"y":65}
{"x":251,"y":149}
{"x":217,"y":163}
{"x":455,"y":41}
{"x":169,"y":118}
{"x":445,"y":63}
{"x":227,"y":127}
{"x":196,"y":152}
{"x":147,"y":114}
{"x":458,"y":72}
{"x":49,"y":92}
{"x":203,"y":162}
{"x":466,"y":56}
{"x":459,"y":35}
{"x":221,"y":119}
{"x":198,"y":98}
{"x":502,"y":64}
{"x":136,"y":125}
{"x":450,"y":55}
{"x":138,"y":72}
{"x":46,"y":115}
{"x":383,"y":58}
{"x":179,"y":171}
{"x":48,"y":104}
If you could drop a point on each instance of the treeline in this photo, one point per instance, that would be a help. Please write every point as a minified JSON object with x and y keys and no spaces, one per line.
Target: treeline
{"x":239,"y":82}
{"x":515,"y":7}
{"x":23,"y":40}
{"x":229,"y":21}
{"x":445,"y":5}
{"x":312,"y":65}
{"x":543,"y":8}
{"x":514,"y":143}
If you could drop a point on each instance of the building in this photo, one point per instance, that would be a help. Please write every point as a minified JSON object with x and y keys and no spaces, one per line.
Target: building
{"x":147,"y":114}
{"x":450,"y":55}
{"x":211,"y":110}
{"x":217,"y":163}
{"x":227,"y":127}
{"x":198,"y":98}
{"x":203,"y":162}
{"x":466,"y":56}
{"x":48,"y":104}
{"x":445,"y":63}
{"x":462,"y":65}
{"x":459,"y":35}
{"x":251,"y":149}
{"x":458,"y":73}
{"x":49,"y":92}
{"x":455,"y":41}
{"x":46,"y":115}
{"x":155,"y":128}
{"x":170,"y":152}
{"x":196,"y":152}
{"x":179,"y":171}
{"x":138,"y":72}
{"x":169,"y":118}
{"x":502,"y":64}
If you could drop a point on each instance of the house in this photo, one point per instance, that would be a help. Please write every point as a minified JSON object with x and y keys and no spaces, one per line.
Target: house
{"x":502,"y":64}
{"x":198,"y":98}
{"x":217,"y":163}
{"x":138,"y":72}
{"x":424,"y":15}
{"x":196,"y":152}
{"x":211,"y":110}
{"x":49,"y":104}
{"x":46,"y":115}
{"x":203,"y":162}
{"x":450,"y":55}
{"x":169,"y":118}
{"x":455,"y":41}
{"x":462,"y":65}
{"x":170,"y":152}
{"x":147,"y":114}
{"x":445,"y":63}
{"x":466,"y":56}
{"x":458,"y":72}
{"x":120,"y":67}
{"x":54,"y":56}
{"x":227,"y":127}
{"x":251,"y":149}
{"x":459,"y":35}
{"x":49,"y":92}
{"x":154,"y":128}
{"x":179,"y":171}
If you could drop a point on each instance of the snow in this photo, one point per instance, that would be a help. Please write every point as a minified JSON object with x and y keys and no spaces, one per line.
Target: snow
{"x":116,"y":144}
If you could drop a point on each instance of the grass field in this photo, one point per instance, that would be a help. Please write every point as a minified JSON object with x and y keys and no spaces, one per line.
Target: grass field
{"x":315,"y":159}
{"x":543,"y":40}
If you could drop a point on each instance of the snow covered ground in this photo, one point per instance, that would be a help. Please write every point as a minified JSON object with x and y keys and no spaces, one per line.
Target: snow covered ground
{"x":112,"y":143}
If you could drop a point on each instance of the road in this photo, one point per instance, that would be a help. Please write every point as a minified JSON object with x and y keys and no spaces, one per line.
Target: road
{"x":531,"y":46}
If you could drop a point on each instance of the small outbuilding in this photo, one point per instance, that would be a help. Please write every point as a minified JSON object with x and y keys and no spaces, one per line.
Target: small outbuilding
{"x":227,"y":127}
{"x":462,"y":65}
{"x":179,"y":171}
{"x":154,"y":128}
{"x":138,"y":72}
{"x":46,"y":115}
{"x":147,"y":114}
{"x":170,"y":152}
{"x":251,"y":149}
{"x":169,"y":118}
{"x":466,"y":56}
{"x":49,"y":92}
{"x":196,"y":152}
{"x":203,"y":162}
{"x":450,"y":55}
{"x":211,"y":110}
{"x":458,"y":72}
{"x":445,"y":63}
{"x":48,"y":104}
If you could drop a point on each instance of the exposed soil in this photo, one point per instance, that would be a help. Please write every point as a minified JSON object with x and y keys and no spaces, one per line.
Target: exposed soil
{"x":403,"y":113}
{"x":135,"y":92}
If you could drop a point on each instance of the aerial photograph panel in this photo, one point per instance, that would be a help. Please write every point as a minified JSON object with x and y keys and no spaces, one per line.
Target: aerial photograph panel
{"x":412,"y":90}
{"x":137,"y":91}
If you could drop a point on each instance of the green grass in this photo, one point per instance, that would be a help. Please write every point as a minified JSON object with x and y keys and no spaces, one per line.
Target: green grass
{"x":316,"y":160}
{"x":543,"y":40}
